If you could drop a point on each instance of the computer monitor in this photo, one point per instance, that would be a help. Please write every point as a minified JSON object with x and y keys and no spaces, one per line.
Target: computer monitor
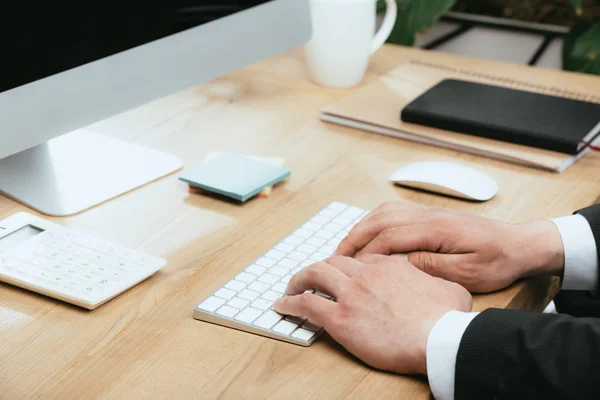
{"x":68,"y":63}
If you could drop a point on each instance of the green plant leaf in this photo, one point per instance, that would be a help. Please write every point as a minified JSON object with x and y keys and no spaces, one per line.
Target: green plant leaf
{"x":415,"y":16}
{"x":581,"y":51}
{"x":578,"y":5}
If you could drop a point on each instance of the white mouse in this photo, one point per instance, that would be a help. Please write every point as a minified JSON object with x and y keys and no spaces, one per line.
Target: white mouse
{"x":447,"y":178}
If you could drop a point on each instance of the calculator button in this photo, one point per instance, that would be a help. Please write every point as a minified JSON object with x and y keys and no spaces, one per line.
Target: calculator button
{"x":140,"y":259}
{"x":85,"y":253}
{"x":24,"y":255}
{"x":12,"y":263}
{"x":122,"y":265}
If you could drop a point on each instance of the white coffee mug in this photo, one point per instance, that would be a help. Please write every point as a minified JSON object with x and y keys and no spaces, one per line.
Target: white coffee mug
{"x":344,"y":39}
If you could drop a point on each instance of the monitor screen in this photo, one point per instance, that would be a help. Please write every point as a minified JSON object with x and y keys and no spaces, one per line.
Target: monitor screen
{"x":40,"y":39}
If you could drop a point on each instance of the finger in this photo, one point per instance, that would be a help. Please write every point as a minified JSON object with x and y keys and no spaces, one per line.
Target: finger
{"x":315,"y":308}
{"x":405,"y":239}
{"x":347,"y":265}
{"x":445,"y":266}
{"x":381,"y":259}
{"x":322,"y":277}
{"x":375,"y":223}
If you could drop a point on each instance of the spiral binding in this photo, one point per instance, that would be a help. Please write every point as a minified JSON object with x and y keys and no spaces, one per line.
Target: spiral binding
{"x":514,"y":83}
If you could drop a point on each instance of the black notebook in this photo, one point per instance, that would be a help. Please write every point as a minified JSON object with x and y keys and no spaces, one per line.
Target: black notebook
{"x":516,"y":116}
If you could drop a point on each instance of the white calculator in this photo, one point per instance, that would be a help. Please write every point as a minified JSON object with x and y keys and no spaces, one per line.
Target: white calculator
{"x":46,"y":258}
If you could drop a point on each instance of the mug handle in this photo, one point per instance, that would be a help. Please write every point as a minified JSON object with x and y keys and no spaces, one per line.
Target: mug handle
{"x":388,"y":25}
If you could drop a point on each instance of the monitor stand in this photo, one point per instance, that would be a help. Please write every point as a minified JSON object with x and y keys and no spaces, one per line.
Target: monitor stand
{"x":79,"y":170}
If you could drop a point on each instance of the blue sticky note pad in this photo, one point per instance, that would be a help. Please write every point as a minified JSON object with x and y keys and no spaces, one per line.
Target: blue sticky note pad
{"x":235,"y":176}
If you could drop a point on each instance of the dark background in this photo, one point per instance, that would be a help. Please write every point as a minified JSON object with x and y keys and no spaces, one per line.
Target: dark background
{"x":39,"y":39}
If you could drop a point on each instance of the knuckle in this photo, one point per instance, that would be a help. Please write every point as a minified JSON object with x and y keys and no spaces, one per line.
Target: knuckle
{"x":336,"y":259}
{"x":388,"y":205}
{"x":387,"y":235}
{"x":444,"y":221}
{"x":305,"y":300}
{"x":343,"y":314}
{"x":313,"y":271}
{"x":379,"y":218}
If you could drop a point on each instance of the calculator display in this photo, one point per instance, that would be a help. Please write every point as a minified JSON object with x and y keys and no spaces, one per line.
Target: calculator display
{"x":26,"y":232}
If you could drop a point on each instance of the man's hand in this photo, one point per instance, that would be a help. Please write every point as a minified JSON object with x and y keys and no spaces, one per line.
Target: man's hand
{"x":480,"y":254}
{"x":384,"y":308}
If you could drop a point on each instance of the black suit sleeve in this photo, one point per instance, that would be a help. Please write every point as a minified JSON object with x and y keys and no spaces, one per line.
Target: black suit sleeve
{"x":592,"y":214}
{"x":583,"y":303}
{"x":507,"y":354}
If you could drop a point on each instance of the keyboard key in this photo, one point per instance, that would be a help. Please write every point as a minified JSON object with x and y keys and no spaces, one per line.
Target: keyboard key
{"x":279,"y":287}
{"x":275,"y":255}
{"x":318,"y":256}
{"x":335,"y":228}
{"x":245,"y":277}
{"x":262,"y":304}
{"x":268,"y":320}
{"x":319,"y":219}
{"x":294,"y":240}
{"x":250,"y":295}
{"x":279,"y":271}
{"x":328,"y":249}
{"x":266,"y":262}
{"x":303,"y":334}
{"x":225,"y":294}
{"x":343,"y":221}
{"x":285,"y":247}
{"x":311,"y":226}
{"x":353,"y":212}
{"x":238,"y":303}
{"x":309,"y":326}
{"x":268,"y":278}
{"x":248,"y":315}
{"x":306,"y":263}
{"x":307,"y":248}
{"x":325,"y":235}
{"x":295,"y":320}
{"x":259,"y":286}
{"x":235,"y":285}
{"x":329,"y":213}
{"x":303,"y":233}
{"x":297,"y":256}
{"x":315,"y":241}
{"x":210,"y":304}
{"x":337,"y":206}
{"x":286,"y":279}
{"x":271,"y":295}
{"x":288,"y":263}
{"x":284,"y":327}
{"x":335,"y":242}
{"x":256,"y":269}
{"x":227,"y":311}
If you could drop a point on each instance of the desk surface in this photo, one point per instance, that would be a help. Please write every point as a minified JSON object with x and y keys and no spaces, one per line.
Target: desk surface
{"x":145,"y":343}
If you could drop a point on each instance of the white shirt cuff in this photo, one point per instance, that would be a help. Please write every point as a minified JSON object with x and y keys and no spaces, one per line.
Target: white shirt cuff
{"x":442,"y":349}
{"x":581,"y":256}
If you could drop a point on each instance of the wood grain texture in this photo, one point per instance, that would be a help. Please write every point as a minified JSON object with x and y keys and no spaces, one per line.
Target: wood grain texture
{"x":145,"y":343}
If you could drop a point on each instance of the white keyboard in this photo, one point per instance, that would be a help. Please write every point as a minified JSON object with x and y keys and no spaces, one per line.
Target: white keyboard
{"x":49,"y":259}
{"x":245,"y":302}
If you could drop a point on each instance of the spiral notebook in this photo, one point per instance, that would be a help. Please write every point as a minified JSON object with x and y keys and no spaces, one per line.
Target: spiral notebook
{"x":376,"y":108}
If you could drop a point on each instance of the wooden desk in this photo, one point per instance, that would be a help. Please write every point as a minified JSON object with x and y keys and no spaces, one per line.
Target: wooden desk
{"x":145,"y":343}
